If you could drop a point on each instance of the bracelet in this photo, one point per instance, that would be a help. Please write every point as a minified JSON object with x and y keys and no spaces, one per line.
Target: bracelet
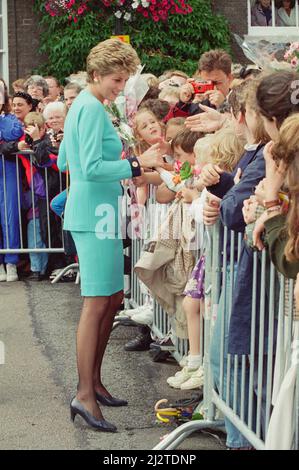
{"x":273,"y":203}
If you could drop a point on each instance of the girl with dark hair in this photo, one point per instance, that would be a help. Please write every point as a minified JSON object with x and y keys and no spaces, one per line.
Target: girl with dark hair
{"x":277,"y":98}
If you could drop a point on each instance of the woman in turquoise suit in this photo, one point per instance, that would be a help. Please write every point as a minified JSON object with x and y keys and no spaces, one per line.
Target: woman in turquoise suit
{"x":92,"y":148}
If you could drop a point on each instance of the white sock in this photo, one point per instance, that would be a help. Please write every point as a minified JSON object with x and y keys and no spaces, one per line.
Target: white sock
{"x":194,"y":362}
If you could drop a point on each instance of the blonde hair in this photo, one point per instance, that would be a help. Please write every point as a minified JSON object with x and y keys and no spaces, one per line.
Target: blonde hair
{"x":202,"y":150}
{"x":33,"y":119}
{"x":227,"y":148}
{"x":111,"y":56}
{"x":150,"y":79}
{"x":287,"y":149}
{"x":169,"y":91}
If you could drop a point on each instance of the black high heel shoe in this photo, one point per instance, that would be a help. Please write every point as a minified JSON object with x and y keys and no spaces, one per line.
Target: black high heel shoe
{"x":99,"y":424}
{"x":110,"y":401}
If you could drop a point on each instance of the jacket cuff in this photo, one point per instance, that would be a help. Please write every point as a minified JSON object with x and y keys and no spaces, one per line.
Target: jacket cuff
{"x":135,"y":167}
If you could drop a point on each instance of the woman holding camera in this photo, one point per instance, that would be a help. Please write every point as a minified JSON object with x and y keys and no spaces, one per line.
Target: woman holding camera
{"x":92,"y":148}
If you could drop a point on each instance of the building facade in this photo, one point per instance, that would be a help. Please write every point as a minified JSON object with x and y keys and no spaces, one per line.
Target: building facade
{"x":19,"y":32}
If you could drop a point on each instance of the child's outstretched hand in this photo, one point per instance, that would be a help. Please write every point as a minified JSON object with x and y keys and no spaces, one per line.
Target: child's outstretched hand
{"x":210,"y":174}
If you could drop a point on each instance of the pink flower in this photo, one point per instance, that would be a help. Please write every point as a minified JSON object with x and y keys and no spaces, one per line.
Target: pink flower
{"x":177,"y":166}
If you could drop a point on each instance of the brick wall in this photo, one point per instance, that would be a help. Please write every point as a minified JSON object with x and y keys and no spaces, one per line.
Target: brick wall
{"x":23,"y":33}
{"x":236,"y":13}
{"x":23,"y":38}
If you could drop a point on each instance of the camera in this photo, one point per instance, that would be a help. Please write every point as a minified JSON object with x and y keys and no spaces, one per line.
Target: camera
{"x":201,"y":86}
{"x":28,"y":140}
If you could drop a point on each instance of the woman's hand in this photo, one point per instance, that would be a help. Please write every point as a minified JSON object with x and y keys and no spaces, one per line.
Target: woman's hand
{"x":211,"y":209}
{"x":259,"y":227}
{"x":209,"y":121}
{"x":152,"y":157}
{"x":260,"y":192}
{"x":275,"y":173}
{"x":249,"y":210}
{"x":210,"y":174}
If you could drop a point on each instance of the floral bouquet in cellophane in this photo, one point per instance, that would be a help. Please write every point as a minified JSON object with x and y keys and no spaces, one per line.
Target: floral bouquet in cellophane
{"x":292,"y":55}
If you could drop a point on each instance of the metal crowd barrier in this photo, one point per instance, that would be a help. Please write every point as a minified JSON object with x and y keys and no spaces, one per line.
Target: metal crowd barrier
{"x":11,"y":182}
{"x":248,"y":386}
{"x":162,"y":326}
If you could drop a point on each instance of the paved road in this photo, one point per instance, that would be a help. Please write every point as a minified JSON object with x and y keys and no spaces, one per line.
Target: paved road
{"x":38,"y":327}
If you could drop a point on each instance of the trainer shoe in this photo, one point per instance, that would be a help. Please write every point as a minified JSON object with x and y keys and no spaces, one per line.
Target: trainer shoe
{"x":129,"y":312}
{"x":145,"y":317}
{"x":196,"y":380}
{"x":180,"y":377}
{"x":2,"y":273}
{"x":11,"y":273}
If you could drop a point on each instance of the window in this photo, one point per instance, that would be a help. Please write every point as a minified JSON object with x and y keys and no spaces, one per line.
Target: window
{"x":273,"y":18}
{"x":3,"y":41}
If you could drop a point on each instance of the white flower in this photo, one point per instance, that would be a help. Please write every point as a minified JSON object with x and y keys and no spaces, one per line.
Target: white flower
{"x":145,"y":3}
{"x":135,"y":4}
{"x":127,"y":16}
{"x":118,"y":14}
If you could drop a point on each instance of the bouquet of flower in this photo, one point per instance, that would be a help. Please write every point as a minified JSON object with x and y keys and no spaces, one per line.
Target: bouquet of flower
{"x":184,"y":172}
{"x":154,"y":9}
{"x":183,"y":176}
{"x":292,"y":55}
{"x":267,"y":54}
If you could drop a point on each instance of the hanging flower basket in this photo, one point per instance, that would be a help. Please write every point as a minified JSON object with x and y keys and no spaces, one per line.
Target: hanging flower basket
{"x":156,"y":10}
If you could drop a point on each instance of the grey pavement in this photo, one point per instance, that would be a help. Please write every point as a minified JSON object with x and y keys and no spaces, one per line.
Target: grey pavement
{"x":38,"y":324}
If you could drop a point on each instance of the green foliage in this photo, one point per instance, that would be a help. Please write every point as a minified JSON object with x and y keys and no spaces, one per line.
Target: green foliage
{"x":177,"y":43}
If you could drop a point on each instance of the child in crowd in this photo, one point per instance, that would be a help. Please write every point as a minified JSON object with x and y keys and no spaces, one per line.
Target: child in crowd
{"x":43,"y":185}
{"x":149,"y":134}
{"x":224,"y":149}
{"x":173,"y":127}
{"x":70,"y":93}
{"x":170,"y":94}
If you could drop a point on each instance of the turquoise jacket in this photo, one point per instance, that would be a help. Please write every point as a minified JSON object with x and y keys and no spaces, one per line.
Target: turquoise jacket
{"x":92,"y":148}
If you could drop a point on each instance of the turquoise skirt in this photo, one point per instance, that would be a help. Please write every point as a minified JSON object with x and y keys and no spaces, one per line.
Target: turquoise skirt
{"x":101,"y":263}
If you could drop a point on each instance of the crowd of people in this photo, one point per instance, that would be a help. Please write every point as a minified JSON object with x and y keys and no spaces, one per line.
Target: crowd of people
{"x":232,"y":130}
